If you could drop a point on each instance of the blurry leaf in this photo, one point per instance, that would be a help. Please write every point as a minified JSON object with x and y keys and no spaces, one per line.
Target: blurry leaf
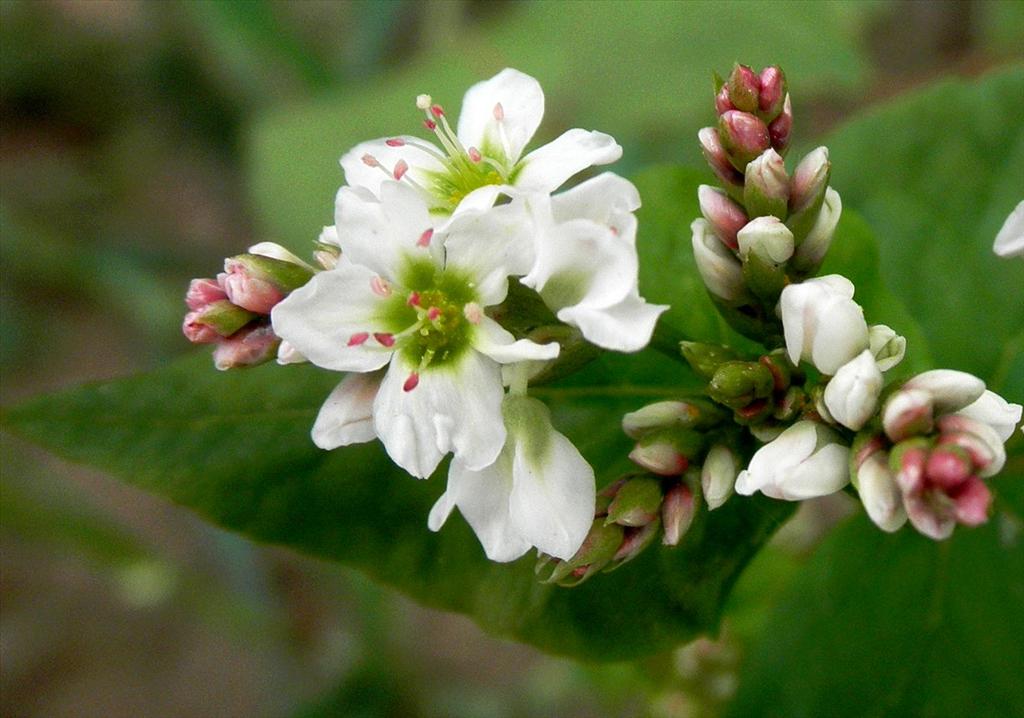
{"x":899,"y":625}
{"x":936,"y":174}
{"x":639,"y":71}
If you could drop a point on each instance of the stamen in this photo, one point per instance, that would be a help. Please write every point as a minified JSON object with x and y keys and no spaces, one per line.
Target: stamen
{"x":412,"y":382}
{"x":357,"y":339}
{"x":380,"y":286}
{"x":386,"y":340}
{"x":430,"y":125}
{"x":370,"y":161}
{"x":433,"y":313}
{"x":401,"y":167}
{"x":474,"y":154}
{"x":615,"y":230}
{"x":414,"y":299}
{"x":437,"y":111}
{"x":423,"y":101}
{"x":395,"y":142}
{"x":473,"y":313}
{"x":425,"y":238}
{"x":499,"y":112}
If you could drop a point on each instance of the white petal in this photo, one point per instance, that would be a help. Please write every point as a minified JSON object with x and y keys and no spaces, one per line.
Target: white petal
{"x":599,"y":199}
{"x":995,"y":411}
{"x":552,"y":501}
{"x":851,"y":396}
{"x":381,"y":233}
{"x":623,"y":327}
{"x":721,"y":271}
{"x":319,"y":318}
{"x":492,"y":339}
{"x":287,"y":354}
{"x":880,"y":495}
{"x":951,"y":390}
{"x":454,"y":408}
{"x":359,"y":174}
{"x":483,"y":498}
{"x":276,"y":251}
{"x":489,"y":246}
{"x":347,"y":415}
{"x":548,"y":166}
{"x":1010,"y":240}
{"x":824,"y":473}
{"x":842,"y":334}
{"x":522,"y":104}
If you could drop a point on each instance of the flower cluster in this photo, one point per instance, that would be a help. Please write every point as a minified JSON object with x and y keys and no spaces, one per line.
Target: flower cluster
{"x":450,"y":267}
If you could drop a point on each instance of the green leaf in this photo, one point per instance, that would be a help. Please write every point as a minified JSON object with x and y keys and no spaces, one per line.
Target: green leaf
{"x":640,"y":71}
{"x":898,"y":625}
{"x":936,"y":174}
{"x":235,"y":447}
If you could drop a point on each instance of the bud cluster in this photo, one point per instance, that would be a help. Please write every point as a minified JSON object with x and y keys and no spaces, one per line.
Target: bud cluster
{"x":233,"y":310}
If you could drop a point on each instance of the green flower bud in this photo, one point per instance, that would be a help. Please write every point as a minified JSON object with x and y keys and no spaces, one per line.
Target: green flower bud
{"x":706,"y":358}
{"x":737,"y":383}
{"x":598,"y":548}
{"x":766,"y":186}
{"x":764,"y":277}
{"x":636,"y":503}
{"x":689,"y":414}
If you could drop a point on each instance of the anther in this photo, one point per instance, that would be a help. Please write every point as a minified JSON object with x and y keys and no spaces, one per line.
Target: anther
{"x":474,"y":154}
{"x":437,"y":111}
{"x":423,"y":101}
{"x":412,"y":382}
{"x":401,"y":167}
{"x":395,"y":142}
{"x":357,"y":339}
{"x":473,"y":313}
{"x":380,"y":287}
{"x":414,"y":299}
{"x":385,"y":340}
{"x":433,"y":313}
{"x":370,"y":161}
{"x":430,"y":125}
{"x":499,"y":112}
{"x":425,"y":238}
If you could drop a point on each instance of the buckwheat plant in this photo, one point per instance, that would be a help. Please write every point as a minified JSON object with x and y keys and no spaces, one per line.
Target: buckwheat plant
{"x":460,"y":272}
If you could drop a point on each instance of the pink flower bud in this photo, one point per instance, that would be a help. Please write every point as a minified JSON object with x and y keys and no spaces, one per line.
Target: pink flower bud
{"x":972,"y":502}
{"x":744,"y":137}
{"x":202,"y":292}
{"x":810,"y":180}
{"x":248,"y":347}
{"x":256,"y":295}
{"x":780,"y":128}
{"x":717,"y":158}
{"x":773,"y":92}
{"x":677,"y":512}
{"x":908,"y":412}
{"x":722,"y":101}
{"x":725,"y":216}
{"x":196,"y":331}
{"x":744,"y":88}
{"x":948,"y":466}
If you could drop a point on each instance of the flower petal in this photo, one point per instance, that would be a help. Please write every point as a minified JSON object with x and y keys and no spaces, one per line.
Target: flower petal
{"x":490,"y":246}
{"x":601,"y":199}
{"x":623,"y":327}
{"x":381,"y":233}
{"x":483,"y":499}
{"x":1010,"y":240}
{"x":453,"y":408}
{"x":995,"y":411}
{"x":276,"y":251}
{"x":522,"y":107}
{"x":347,"y":415}
{"x":359,"y":174}
{"x":320,"y":318}
{"x":548,"y":166}
{"x":497,"y":343}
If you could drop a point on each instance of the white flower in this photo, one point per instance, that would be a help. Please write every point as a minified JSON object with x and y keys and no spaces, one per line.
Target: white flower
{"x":485,"y":155}
{"x":721,"y":271}
{"x":402,"y":298}
{"x":586,"y":266}
{"x":1010,"y":240}
{"x":821,"y":322}
{"x":851,"y":396}
{"x":887,"y":347}
{"x":806,"y":461}
{"x":995,"y":411}
{"x":539,"y":493}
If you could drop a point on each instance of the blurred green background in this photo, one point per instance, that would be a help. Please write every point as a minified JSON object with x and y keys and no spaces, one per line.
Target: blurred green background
{"x":141,"y":142}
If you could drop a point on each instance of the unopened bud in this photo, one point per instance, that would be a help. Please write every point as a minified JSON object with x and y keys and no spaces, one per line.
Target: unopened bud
{"x":221,"y":317}
{"x":598,"y":548}
{"x":791,"y":404}
{"x":718,"y":159}
{"x":659,"y":455}
{"x":851,"y":396}
{"x":202,"y":292}
{"x":807,"y":191}
{"x":248,"y":347}
{"x":257,"y":282}
{"x":767,"y":237}
{"x":744,"y":88}
{"x":812,"y":250}
{"x":876,"y":486}
{"x":887,"y":347}
{"x":634,"y":541}
{"x":907,"y":412}
{"x":721,"y":271}
{"x":692,"y":414}
{"x":744,"y":137}
{"x":636,"y":503}
{"x":766,"y":186}
{"x":765,"y":277}
{"x":725,"y":216}
{"x":722,"y":101}
{"x":718,"y":475}
{"x":737,"y":383}
{"x":780,"y":367}
{"x":950,"y":390}
{"x":677,"y":513}
{"x":980,"y":440}
{"x":773,"y":92}
{"x":706,"y":358}
{"x":780,"y":128}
